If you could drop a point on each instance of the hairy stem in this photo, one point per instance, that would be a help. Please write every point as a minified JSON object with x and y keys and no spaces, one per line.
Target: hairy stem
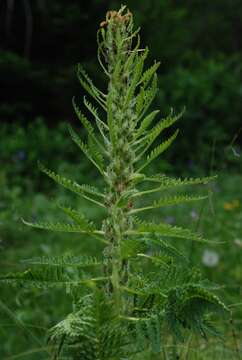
{"x":117,"y":42}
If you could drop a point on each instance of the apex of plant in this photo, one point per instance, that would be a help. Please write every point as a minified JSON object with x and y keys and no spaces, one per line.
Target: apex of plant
{"x":117,"y":18}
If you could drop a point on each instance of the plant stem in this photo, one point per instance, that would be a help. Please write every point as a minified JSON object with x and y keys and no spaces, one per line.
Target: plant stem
{"x":117,"y":45}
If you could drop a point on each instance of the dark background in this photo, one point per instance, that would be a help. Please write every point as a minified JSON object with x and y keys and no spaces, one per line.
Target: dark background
{"x":197,"y":41}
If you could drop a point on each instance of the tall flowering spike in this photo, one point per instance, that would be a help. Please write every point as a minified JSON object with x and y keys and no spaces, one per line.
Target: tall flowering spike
{"x":116,"y":31}
{"x":126,"y":303}
{"x":121,"y":62}
{"x":116,"y":47}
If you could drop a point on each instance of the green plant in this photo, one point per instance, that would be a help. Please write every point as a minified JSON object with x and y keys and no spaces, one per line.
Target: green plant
{"x":141,"y":294}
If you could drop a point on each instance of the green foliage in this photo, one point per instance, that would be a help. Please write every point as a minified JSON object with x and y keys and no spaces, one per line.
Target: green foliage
{"x":21,"y":147}
{"x":186,"y":306}
{"x":62,"y":261}
{"x":124,"y":303}
{"x":168,"y":230}
{"x":207,"y":78}
{"x":208,"y":87}
{"x":91,"y":332}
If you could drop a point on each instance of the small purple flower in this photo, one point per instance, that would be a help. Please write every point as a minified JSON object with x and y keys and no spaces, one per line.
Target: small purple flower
{"x":21,"y":155}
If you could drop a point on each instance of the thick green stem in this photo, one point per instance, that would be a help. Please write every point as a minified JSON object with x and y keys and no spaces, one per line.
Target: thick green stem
{"x":121,"y":117}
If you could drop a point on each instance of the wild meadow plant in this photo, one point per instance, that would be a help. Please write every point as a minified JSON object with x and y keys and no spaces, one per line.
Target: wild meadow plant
{"x":140,"y":293}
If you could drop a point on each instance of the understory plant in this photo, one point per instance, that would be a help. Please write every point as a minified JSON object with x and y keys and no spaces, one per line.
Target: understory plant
{"x":140,"y":294}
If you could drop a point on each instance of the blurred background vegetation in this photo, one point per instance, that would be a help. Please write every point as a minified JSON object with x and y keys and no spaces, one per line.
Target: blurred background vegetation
{"x":199,"y":45}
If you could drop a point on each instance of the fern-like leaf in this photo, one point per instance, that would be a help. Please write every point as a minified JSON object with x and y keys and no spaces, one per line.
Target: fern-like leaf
{"x":146,"y":97}
{"x":147,"y":140}
{"x":148,"y":334}
{"x":47,"y":276}
{"x":78,"y":218}
{"x":169,"y":201}
{"x":63,"y":227}
{"x":146,"y":228}
{"x":95,"y":153}
{"x":91,"y":332}
{"x":103,"y":128}
{"x":146,"y":122}
{"x":138,"y":68}
{"x":87,"y":84}
{"x":64,"y":261}
{"x":85,"y":149}
{"x":82,"y":190}
{"x":148,"y":74}
{"x":169,"y":182}
{"x":186,"y":307}
{"x":159,"y":150}
{"x":88,"y":126}
{"x":165,"y":249}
